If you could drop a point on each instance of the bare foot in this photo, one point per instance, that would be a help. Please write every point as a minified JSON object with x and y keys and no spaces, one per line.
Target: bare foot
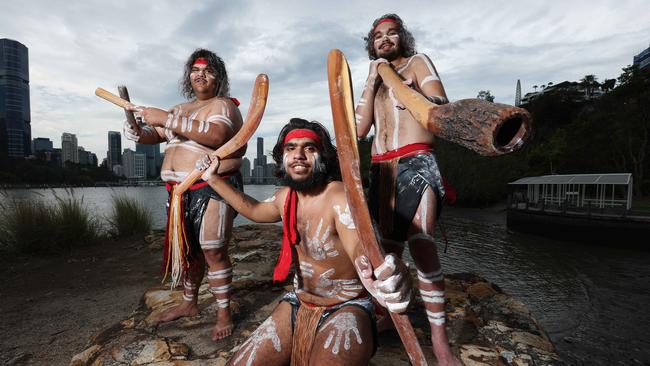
{"x":186,"y":308}
{"x":224,"y":325}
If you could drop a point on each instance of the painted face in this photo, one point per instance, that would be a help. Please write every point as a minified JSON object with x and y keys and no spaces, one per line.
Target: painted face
{"x":301,"y":158}
{"x":386,"y":40}
{"x":203,"y":78}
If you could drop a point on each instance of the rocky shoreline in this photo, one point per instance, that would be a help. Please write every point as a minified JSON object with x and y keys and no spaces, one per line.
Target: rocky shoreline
{"x":485,"y":326}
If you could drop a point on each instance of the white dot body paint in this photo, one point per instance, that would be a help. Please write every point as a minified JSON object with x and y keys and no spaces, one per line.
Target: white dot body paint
{"x":341,"y":327}
{"x":270,"y":199}
{"x":266,"y":331}
{"x":320,"y":246}
{"x":344,"y":216}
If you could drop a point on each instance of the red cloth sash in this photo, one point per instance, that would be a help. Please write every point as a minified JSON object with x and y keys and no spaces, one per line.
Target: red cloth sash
{"x":404,"y":151}
{"x":289,"y":236}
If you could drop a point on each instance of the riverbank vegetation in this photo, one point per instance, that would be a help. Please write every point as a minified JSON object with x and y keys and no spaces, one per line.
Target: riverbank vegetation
{"x":35,"y":227}
{"x":129,"y":218}
{"x":31,"y":226}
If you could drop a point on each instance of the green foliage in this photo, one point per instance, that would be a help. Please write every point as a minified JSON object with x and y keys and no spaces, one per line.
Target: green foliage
{"x":129,"y":218}
{"x":485,"y":95}
{"x":33,"y":227}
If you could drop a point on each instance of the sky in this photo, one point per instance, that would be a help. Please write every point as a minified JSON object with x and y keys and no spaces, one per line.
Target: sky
{"x":77,"y":46}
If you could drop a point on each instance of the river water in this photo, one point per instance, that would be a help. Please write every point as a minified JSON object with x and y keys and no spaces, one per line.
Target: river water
{"x":591,"y":300}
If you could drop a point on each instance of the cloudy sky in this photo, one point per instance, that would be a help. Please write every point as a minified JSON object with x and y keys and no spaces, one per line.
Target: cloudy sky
{"x":76,"y":46}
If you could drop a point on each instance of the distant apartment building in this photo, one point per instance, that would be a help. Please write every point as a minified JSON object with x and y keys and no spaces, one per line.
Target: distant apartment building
{"x":134,"y":164}
{"x":114,"y":153}
{"x":42,"y":144}
{"x":642,"y":60}
{"x":246,"y":170}
{"x":86,"y":157}
{"x":15,"y":116}
{"x":69,"y":148}
{"x":152,"y":158}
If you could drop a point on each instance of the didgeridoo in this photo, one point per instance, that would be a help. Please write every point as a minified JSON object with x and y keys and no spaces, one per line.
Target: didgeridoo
{"x":487,"y":128}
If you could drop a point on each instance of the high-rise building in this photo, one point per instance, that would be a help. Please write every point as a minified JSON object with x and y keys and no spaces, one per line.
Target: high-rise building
{"x":69,"y":151}
{"x":42,"y":144}
{"x":15,"y":116}
{"x":134,"y":164}
{"x":114,"y":154}
{"x":261,"y":158}
{"x":152,"y":156}
{"x":246,"y":170}
{"x":269,"y":173}
{"x":642,"y":60}
{"x":518,"y":94}
{"x":86,"y":157}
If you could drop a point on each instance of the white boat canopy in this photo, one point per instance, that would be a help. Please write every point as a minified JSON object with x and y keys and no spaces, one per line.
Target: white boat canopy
{"x":599,"y":190}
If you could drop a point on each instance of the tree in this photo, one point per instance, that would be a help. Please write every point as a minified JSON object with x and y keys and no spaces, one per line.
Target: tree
{"x":485,"y":95}
{"x":589,"y":83}
{"x":535,"y":87}
{"x":608,"y":85}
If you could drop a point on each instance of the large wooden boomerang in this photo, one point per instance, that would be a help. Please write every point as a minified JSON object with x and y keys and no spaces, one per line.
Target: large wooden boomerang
{"x":340,"y":87}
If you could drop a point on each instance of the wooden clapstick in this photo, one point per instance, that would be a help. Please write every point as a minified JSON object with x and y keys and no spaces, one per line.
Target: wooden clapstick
{"x":130,"y":118}
{"x":340,"y":88}
{"x":487,"y":128}
{"x":106,"y":95}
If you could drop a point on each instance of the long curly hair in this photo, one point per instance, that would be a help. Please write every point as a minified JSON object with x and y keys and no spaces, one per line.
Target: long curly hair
{"x":216,"y":63}
{"x":406,"y":40}
{"x":328,"y":151}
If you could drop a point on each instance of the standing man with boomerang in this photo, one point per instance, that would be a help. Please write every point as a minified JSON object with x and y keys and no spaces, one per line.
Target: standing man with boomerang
{"x":328,"y":318}
{"x":406,"y":186}
{"x":192,"y":130}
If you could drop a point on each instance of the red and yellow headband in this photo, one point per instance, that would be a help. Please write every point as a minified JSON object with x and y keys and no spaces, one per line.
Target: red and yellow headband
{"x":302,"y":133}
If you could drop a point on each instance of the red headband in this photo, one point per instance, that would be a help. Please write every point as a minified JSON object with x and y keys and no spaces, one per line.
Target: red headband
{"x":300,"y":133}
{"x":384,"y":21}
{"x":201,"y":61}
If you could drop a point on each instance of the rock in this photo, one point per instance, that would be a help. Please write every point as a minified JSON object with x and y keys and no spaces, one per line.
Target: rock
{"x":485,"y":326}
{"x":473,"y":355}
{"x":85,"y":357}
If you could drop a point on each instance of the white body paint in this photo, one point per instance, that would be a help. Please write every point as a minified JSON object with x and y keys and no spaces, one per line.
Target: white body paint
{"x":436,"y":318}
{"x":341,"y":327}
{"x":306,"y":269}
{"x":270,"y":199}
{"x":170,"y":175}
{"x":344,"y":216}
{"x":433,"y":296}
{"x":266,"y":331}
{"x":221,"y":274}
{"x":221,"y":230}
{"x":430,"y":277}
{"x":320,"y":246}
{"x":343,"y":290}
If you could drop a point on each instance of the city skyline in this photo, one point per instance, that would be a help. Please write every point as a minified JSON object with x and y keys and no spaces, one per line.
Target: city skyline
{"x":474,"y":47}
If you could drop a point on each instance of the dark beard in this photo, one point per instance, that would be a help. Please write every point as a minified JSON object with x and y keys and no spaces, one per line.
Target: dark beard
{"x":390,"y":55}
{"x":314,"y":180}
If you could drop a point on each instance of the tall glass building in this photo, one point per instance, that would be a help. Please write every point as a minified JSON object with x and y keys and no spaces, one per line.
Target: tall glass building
{"x":15,"y":117}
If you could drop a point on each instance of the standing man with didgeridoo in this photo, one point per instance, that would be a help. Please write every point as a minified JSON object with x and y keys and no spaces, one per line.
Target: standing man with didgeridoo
{"x":193,"y":129}
{"x":328,"y":318}
{"x":406,"y":186}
